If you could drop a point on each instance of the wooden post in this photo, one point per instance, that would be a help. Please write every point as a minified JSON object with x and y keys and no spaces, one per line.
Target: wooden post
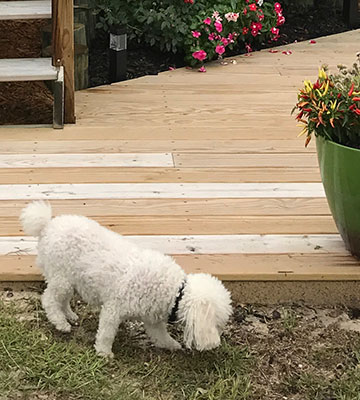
{"x":63,"y":50}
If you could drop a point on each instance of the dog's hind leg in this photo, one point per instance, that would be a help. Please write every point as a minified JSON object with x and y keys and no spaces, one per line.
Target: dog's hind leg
{"x":53,"y":300}
{"x":69,"y":313}
{"x":160,"y":336}
{"x":110,"y":319}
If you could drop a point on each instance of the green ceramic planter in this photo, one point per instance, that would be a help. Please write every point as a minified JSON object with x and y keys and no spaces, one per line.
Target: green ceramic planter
{"x":339,"y":167}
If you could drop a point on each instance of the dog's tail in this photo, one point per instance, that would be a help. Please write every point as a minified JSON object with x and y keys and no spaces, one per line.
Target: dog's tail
{"x":34,"y":217}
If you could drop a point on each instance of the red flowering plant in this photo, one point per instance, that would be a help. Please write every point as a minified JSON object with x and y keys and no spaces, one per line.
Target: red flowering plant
{"x":228,"y":25}
{"x":330,"y":107}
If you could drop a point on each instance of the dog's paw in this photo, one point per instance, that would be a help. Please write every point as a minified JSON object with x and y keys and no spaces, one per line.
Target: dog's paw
{"x":172,"y":346}
{"x":104,"y":353}
{"x":72,"y":317}
{"x":64,"y":327}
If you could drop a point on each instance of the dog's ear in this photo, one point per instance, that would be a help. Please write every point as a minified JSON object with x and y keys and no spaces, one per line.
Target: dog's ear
{"x":200,"y":329}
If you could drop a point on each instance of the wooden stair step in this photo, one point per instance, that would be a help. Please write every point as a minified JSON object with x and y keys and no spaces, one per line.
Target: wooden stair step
{"x":27,"y":69}
{"x":34,"y":9}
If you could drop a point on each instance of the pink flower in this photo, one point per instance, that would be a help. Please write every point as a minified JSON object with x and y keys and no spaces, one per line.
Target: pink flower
{"x":275,"y":31}
{"x":219,"y":49}
{"x":196,"y":34}
{"x":224,"y":41}
{"x":261,"y":17}
{"x":254,"y":32}
{"x":252,"y":7}
{"x":277,"y":7}
{"x":202,"y":69}
{"x":245,"y":11}
{"x":199,"y":55}
{"x":248,"y":48}
{"x":207,"y":21}
{"x":218,"y":26}
{"x":245,"y":30}
{"x":232,"y":16}
{"x":211,"y":36}
{"x":231,"y":37}
{"x":280,"y":20}
{"x":216,"y":15}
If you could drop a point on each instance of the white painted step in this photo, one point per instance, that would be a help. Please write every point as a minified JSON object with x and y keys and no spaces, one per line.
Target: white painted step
{"x":208,"y":244}
{"x":34,"y":9}
{"x":160,"y":191}
{"x":27,"y":69}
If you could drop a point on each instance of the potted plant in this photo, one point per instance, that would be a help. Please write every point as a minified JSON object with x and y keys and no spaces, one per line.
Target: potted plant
{"x":330,"y":109}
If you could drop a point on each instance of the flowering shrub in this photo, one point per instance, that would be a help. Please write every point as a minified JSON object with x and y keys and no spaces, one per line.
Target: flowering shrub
{"x":212,"y":34}
{"x":330,"y":107}
{"x":202,"y":29}
{"x":162,"y":24}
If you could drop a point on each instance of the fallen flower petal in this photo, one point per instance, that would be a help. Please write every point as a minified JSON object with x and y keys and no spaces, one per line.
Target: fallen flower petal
{"x":172,"y":69}
{"x":312,"y":41}
{"x":202,"y":69}
{"x":273,"y":51}
{"x":287,"y":53}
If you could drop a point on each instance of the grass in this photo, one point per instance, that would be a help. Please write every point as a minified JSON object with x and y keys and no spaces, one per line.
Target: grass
{"x":289,"y":320}
{"x":36,"y":359}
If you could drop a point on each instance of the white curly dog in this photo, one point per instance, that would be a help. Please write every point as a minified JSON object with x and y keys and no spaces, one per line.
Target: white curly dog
{"x":128,"y":282}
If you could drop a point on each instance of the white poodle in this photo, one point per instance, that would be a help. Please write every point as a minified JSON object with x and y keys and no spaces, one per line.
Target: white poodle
{"x":128,"y":282}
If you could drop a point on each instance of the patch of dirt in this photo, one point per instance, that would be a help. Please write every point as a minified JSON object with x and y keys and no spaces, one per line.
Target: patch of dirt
{"x":291,"y":343}
{"x":23,"y":102}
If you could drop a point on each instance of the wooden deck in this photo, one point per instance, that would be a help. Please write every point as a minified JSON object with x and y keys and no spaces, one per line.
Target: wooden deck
{"x":207,"y":167}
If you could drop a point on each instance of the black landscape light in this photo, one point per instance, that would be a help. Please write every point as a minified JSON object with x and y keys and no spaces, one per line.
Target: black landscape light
{"x":118,"y":57}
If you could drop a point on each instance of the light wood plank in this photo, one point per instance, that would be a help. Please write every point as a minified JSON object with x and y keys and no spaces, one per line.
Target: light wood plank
{"x":279,"y":129}
{"x":159,"y":190}
{"x":86,"y":160}
{"x":157,"y":175}
{"x":184,"y":160}
{"x":200,"y":225}
{"x":27,"y":69}
{"x":273,"y":146}
{"x":208,"y":244}
{"x":234,"y":267}
{"x":179,"y":207}
{"x":274,"y":267}
{"x":33,"y":9}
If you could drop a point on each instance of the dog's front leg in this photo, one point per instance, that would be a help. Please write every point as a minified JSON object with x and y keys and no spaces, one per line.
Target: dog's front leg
{"x":160,"y":336}
{"x":110,"y":319}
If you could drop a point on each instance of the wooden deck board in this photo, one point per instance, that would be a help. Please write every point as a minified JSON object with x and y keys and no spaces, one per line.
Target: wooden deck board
{"x":155,"y":146}
{"x":232,"y":267}
{"x":179,"y":207}
{"x":199,"y":225}
{"x":159,"y":175}
{"x":236,"y":183}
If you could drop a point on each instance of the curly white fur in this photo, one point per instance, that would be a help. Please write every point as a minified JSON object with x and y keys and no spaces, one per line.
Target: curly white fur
{"x":128,"y":282}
